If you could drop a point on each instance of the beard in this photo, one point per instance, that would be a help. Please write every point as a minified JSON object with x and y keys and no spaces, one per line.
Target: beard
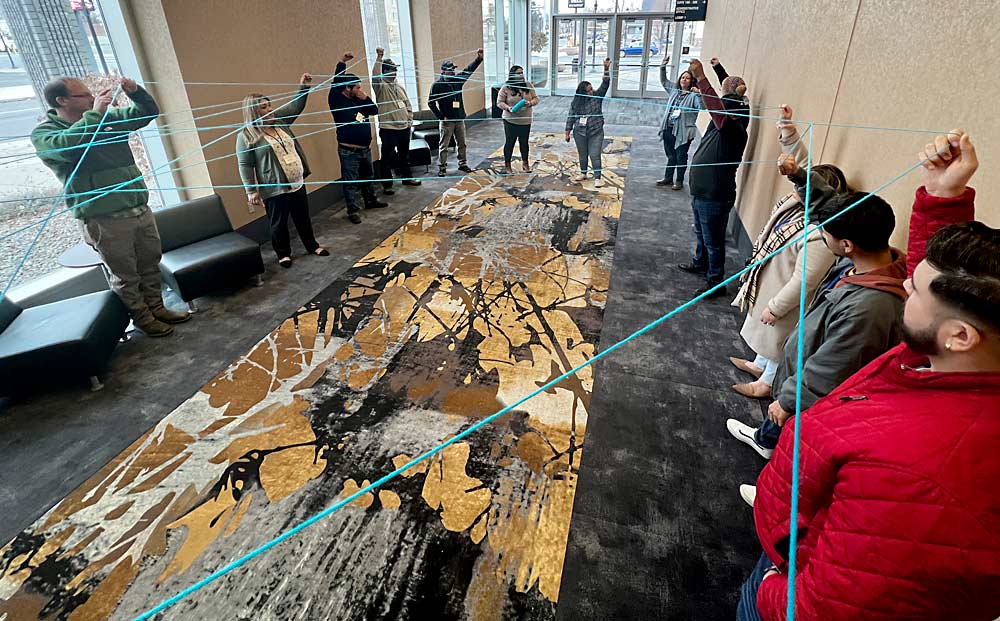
{"x":923,"y":342}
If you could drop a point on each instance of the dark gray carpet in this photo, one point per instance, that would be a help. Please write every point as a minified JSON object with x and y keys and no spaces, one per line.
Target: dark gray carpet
{"x":659,"y":530}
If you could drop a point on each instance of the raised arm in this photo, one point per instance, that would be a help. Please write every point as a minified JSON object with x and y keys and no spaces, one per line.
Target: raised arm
{"x":720,"y":71}
{"x":466,"y":73}
{"x":288,"y":112}
{"x":945,"y":198}
{"x":377,"y":77}
{"x":602,"y":90}
{"x":663,"y":74}
{"x":789,"y":139}
{"x":710,"y":100}
{"x":142,"y":111}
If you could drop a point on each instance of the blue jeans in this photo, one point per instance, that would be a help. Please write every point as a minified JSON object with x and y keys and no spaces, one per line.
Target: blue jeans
{"x":710,"y":220}
{"x":356,"y":165}
{"x":746,"y":610}
{"x":588,"y":147}
{"x":767,"y":434}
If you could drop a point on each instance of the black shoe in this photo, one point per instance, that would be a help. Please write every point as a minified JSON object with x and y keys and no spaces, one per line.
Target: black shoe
{"x":465,"y":168}
{"x":285,"y":262}
{"x":721,"y":292}
{"x":388,"y":191}
{"x":411,"y":182}
{"x":376,"y":204}
{"x":442,"y":173}
{"x":665,"y":182}
{"x":354,"y":217}
{"x":691,"y":268}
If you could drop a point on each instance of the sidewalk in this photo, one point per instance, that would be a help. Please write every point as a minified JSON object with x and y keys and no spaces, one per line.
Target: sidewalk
{"x":16,"y":93}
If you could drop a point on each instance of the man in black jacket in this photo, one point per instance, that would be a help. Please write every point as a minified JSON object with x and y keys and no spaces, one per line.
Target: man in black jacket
{"x":447,"y":105}
{"x":352,"y":110}
{"x":713,"y":173}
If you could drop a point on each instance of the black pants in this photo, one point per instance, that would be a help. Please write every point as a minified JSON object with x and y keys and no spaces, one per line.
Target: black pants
{"x":519,"y":133}
{"x":677,"y":158}
{"x":395,"y":154}
{"x":279,"y":208}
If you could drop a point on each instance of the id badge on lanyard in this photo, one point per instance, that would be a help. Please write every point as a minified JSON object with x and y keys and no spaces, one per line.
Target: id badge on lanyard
{"x":582,"y":121}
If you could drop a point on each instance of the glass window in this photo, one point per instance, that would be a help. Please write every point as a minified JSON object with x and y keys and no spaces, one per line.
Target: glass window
{"x":384,"y":28}
{"x":76,"y":43}
{"x":589,"y":6}
{"x":648,"y":6}
{"x":539,"y":43}
{"x":614,"y":6}
{"x":496,"y":44}
{"x":661,"y":42}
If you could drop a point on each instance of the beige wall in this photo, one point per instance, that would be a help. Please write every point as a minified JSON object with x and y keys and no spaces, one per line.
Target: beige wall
{"x":258,"y":42}
{"x":886,"y":63}
{"x":456,"y":31}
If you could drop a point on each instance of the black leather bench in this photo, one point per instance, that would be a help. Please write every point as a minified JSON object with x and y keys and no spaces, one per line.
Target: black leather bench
{"x":201,"y":252}
{"x":55,"y":342}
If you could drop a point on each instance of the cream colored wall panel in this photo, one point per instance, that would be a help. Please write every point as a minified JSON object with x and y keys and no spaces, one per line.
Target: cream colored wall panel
{"x":922,"y":65}
{"x":262,"y":42}
{"x":782,"y":68}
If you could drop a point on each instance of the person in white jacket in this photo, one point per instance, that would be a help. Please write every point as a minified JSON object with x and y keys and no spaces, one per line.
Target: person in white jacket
{"x":769,"y":293}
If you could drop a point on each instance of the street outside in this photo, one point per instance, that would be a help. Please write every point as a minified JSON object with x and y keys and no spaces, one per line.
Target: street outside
{"x":26,"y":184}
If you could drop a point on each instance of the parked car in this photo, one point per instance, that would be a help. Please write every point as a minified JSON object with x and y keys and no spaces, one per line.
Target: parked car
{"x":635,"y":48}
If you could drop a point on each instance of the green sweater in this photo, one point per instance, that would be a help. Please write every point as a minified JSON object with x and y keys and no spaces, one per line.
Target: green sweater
{"x":106,"y":165}
{"x":258,"y":162}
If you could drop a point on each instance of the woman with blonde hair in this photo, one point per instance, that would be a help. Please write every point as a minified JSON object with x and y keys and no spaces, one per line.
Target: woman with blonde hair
{"x":273,"y":168}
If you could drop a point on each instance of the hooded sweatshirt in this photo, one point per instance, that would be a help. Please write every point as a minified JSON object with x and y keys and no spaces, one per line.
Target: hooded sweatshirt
{"x":394,"y":109}
{"x":854,"y":319}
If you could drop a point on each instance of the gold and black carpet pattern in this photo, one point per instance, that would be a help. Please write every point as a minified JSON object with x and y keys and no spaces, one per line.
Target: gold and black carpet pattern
{"x":482,"y":297}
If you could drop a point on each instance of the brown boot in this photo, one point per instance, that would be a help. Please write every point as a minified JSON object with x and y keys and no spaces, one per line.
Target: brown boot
{"x":154,"y":327}
{"x":165,"y":315}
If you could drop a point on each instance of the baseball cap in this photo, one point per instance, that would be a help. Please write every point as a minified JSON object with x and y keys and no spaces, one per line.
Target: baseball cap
{"x":447,"y":66}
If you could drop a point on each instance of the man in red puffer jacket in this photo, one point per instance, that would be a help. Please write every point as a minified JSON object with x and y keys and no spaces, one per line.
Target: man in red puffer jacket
{"x":899,"y":513}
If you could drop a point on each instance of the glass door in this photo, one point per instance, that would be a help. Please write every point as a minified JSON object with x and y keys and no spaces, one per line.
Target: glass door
{"x":581,"y":45}
{"x":633,"y":41}
{"x":643,"y":43}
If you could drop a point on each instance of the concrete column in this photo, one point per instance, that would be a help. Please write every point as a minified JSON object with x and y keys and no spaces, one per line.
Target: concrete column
{"x":49,"y":40}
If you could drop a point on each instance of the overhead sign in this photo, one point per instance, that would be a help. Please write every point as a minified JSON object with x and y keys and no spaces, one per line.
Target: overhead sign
{"x":690,"y":10}
{"x":577,"y":4}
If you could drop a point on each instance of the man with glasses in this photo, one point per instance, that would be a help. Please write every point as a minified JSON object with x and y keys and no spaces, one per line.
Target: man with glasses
{"x":107,"y":193}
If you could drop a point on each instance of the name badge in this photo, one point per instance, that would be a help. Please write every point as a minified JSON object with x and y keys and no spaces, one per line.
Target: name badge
{"x":676,"y":114}
{"x":289,"y":158}
{"x":582,"y":121}
{"x":456,"y":104}
{"x":359,"y":117}
{"x":400,"y":104}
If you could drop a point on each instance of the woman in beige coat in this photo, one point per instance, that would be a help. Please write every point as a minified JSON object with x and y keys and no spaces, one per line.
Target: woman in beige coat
{"x":770,"y":292}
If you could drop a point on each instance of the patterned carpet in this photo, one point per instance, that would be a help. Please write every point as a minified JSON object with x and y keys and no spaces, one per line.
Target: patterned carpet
{"x":485,"y":295}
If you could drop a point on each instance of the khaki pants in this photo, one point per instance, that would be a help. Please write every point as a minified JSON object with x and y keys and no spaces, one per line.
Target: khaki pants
{"x":447,"y":129}
{"x":130,"y":248}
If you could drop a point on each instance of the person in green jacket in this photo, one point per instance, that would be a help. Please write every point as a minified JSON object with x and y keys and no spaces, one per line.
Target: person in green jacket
{"x":273,"y":169}
{"x":117,"y":224}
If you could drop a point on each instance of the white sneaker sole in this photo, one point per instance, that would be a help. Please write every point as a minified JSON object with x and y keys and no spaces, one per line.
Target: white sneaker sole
{"x":748,"y":493}
{"x":744,"y":433}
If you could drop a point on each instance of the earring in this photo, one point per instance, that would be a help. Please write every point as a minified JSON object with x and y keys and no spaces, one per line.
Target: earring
{"x":948,"y":345}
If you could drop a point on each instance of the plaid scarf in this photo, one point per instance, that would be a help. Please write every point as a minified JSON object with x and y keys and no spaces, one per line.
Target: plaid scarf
{"x":785,"y":223}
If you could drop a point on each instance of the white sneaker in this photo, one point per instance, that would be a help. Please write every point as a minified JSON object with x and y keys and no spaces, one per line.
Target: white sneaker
{"x":748,"y":493}
{"x":598,"y":183}
{"x":745,"y":434}
{"x":580,"y":177}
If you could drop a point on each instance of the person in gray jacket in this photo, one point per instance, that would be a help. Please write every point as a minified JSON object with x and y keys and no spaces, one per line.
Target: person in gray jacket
{"x":273,"y":169}
{"x":586,"y":124}
{"x":857,"y":312}
{"x":678,"y":128}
